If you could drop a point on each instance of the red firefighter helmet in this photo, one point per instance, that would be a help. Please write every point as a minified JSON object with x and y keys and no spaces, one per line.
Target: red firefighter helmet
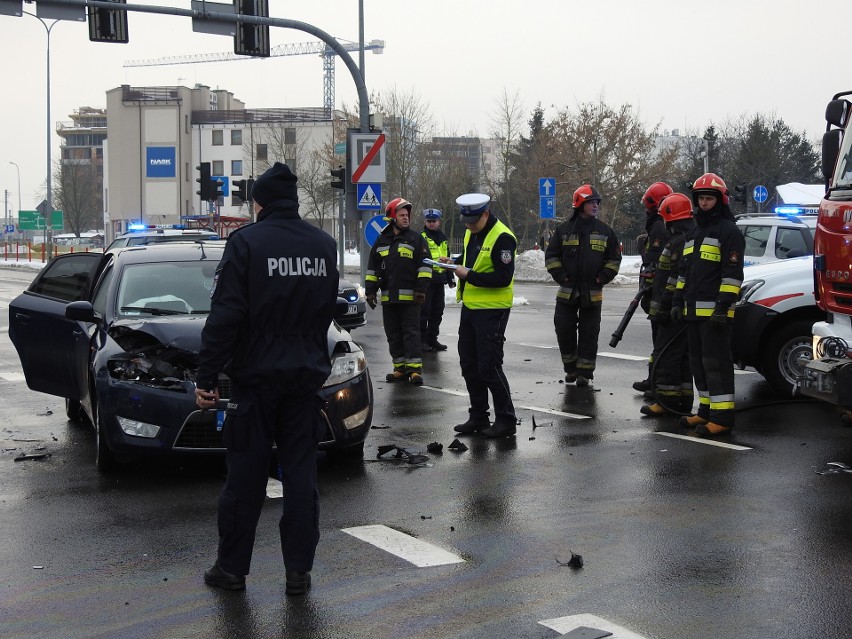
{"x":676,"y":206}
{"x":655,"y":194}
{"x":585,"y":193}
{"x":394,"y":205}
{"x":710,"y":184}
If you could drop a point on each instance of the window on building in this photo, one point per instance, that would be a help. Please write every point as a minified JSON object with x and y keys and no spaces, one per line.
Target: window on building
{"x":218,"y":138}
{"x":260,"y":152}
{"x":290,"y":136}
{"x":291,"y":162}
{"x":236,"y":137}
{"x":236,"y":167}
{"x":217,"y":167}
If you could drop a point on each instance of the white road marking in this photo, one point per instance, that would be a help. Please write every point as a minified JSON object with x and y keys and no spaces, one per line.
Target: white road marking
{"x":418,"y":552}
{"x":632,"y":358}
{"x":701,"y":440}
{"x":274,"y":489}
{"x":565,"y":625}
{"x":13,"y":377}
{"x":538,"y":409}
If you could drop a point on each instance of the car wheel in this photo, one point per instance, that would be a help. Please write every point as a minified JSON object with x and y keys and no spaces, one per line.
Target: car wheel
{"x":787,"y":353}
{"x":104,"y":458}
{"x":73,"y":410}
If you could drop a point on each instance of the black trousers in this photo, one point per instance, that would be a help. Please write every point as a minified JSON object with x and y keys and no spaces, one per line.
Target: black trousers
{"x":481,"y":336}
{"x":295,"y":424}
{"x":402,"y":328}
{"x":672,"y":371}
{"x":432,"y":311}
{"x":577,"y":329}
{"x":712,"y":368}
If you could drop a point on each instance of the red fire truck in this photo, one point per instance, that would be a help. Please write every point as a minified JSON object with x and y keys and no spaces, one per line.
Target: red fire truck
{"x":829,"y":375}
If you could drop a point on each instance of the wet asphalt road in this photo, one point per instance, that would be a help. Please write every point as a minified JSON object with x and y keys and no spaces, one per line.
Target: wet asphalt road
{"x":679,"y":538}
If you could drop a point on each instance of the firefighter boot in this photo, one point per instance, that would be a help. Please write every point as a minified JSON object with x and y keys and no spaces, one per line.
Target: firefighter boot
{"x":711,"y":429}
{"x":644,"y":385}
{"x":653,"y":410}
{"x":415,"y":378}
{"x":691,"y":421}
{"x":397,"y":376}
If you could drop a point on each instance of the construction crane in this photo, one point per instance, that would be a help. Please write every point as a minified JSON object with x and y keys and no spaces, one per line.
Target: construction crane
{"x":295,"y":48}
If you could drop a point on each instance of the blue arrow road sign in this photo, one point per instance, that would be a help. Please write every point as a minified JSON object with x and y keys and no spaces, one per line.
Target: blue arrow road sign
{"x":546,"y":187}
{"x":759,"y":193}
{"x":373,"y":227}
{"x":547,"y":208}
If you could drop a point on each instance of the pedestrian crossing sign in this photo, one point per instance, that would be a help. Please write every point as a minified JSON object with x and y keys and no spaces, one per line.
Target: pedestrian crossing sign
{"x":369,"y":197}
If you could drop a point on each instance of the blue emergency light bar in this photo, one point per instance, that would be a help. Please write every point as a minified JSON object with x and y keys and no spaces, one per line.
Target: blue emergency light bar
{"x":149,"y":227}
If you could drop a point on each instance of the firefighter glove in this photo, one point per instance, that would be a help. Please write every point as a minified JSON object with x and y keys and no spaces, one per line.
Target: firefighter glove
{"x":718,"y":320}
{"x":371,"y":300}
{"x":676,"y":313}
{"x":419,"y":298}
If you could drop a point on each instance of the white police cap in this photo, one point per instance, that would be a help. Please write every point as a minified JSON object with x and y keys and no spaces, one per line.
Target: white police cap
{"x":472,"y":204}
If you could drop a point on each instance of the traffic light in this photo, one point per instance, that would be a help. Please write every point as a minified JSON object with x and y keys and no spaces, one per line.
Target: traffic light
{"x":252,"y":39}
{"x":108,"y":25}
{"x":340,"y":174}
{"x":740,"y":193}
{"x":206,"y":191}
{"x":240,"y":189}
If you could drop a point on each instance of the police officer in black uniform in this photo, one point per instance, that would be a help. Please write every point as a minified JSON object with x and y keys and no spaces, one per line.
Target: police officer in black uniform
{"x":273,"y":300}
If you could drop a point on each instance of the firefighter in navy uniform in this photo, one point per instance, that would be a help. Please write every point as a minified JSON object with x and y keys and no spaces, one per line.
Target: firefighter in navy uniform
{"x":583,"y":256}
{"x":672,"y":378}
{"x":486,"y":272}
{"x":432,"y":311}
{"x":707,"y":290}
{"x":656,"y":237}
{"x":274,"y":297}
{"x":396,"y":267}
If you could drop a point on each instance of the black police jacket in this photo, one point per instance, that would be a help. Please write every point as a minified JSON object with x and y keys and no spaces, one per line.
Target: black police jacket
{"x":273,"y":300}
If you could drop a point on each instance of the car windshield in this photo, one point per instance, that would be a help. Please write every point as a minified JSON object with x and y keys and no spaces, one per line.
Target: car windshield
{"x":166,"y":288}
{"x":843,"y":170}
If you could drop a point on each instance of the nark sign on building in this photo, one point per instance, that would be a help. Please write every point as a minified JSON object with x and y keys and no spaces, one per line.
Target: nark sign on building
{"x":160,"y":161}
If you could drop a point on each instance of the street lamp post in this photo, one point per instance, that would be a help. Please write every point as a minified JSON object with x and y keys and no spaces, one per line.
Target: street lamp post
{"x":18,"y":169}
{"x":49,"y":199}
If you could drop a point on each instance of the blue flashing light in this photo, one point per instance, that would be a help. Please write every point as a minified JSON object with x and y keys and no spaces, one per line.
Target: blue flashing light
{"x":135,"y":227}
{"x":788,"y":210}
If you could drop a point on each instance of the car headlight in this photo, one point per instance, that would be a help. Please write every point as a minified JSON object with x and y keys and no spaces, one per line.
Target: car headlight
{"x":345,"y":366}
{"x":748,"y":289}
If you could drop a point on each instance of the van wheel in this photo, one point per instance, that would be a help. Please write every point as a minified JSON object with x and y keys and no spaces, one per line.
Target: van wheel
{"x":787,"y":353}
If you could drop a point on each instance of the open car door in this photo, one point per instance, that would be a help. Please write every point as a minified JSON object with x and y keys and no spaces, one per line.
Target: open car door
{"x":53,"y":349}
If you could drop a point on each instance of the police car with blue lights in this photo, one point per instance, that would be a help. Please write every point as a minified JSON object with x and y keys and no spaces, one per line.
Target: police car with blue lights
{"x":788,"y":233}
{"x":140,"y":234}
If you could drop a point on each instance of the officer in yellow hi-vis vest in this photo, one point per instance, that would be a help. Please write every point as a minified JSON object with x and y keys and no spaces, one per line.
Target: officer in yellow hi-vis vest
{"x":486,"y":270}
{"x":432,"y":311}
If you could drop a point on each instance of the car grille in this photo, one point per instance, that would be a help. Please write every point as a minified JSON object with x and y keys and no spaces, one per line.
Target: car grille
{"x":199,"y":432}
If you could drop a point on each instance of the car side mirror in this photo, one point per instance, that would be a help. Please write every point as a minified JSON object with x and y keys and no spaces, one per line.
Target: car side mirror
{"x":341,"y":309}
{"x":81,"y":312}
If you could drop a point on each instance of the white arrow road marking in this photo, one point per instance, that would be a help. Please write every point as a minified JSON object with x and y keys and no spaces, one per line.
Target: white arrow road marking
{"x":700,"y":440}
{"x":404,"y":546}
{"x":538,"y":409}
{"x":565,"y":625}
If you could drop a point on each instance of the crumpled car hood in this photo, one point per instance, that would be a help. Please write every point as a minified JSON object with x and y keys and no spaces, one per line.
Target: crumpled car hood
{"x":182,"y":333}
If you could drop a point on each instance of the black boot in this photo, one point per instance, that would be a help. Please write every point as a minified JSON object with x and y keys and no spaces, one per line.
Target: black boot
{"x":501,"y":428}
{"x":437,"y":345}
{"x":473,"y":425}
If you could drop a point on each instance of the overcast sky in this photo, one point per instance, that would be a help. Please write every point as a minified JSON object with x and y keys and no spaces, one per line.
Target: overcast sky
{"x":681,"y":63}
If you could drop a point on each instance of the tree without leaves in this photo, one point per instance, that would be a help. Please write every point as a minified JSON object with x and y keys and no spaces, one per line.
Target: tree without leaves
{"x":77,"y":193}
{"x":506,"y":122}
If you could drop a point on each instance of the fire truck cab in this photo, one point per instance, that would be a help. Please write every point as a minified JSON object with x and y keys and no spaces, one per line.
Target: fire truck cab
{"x":829,"y":375}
